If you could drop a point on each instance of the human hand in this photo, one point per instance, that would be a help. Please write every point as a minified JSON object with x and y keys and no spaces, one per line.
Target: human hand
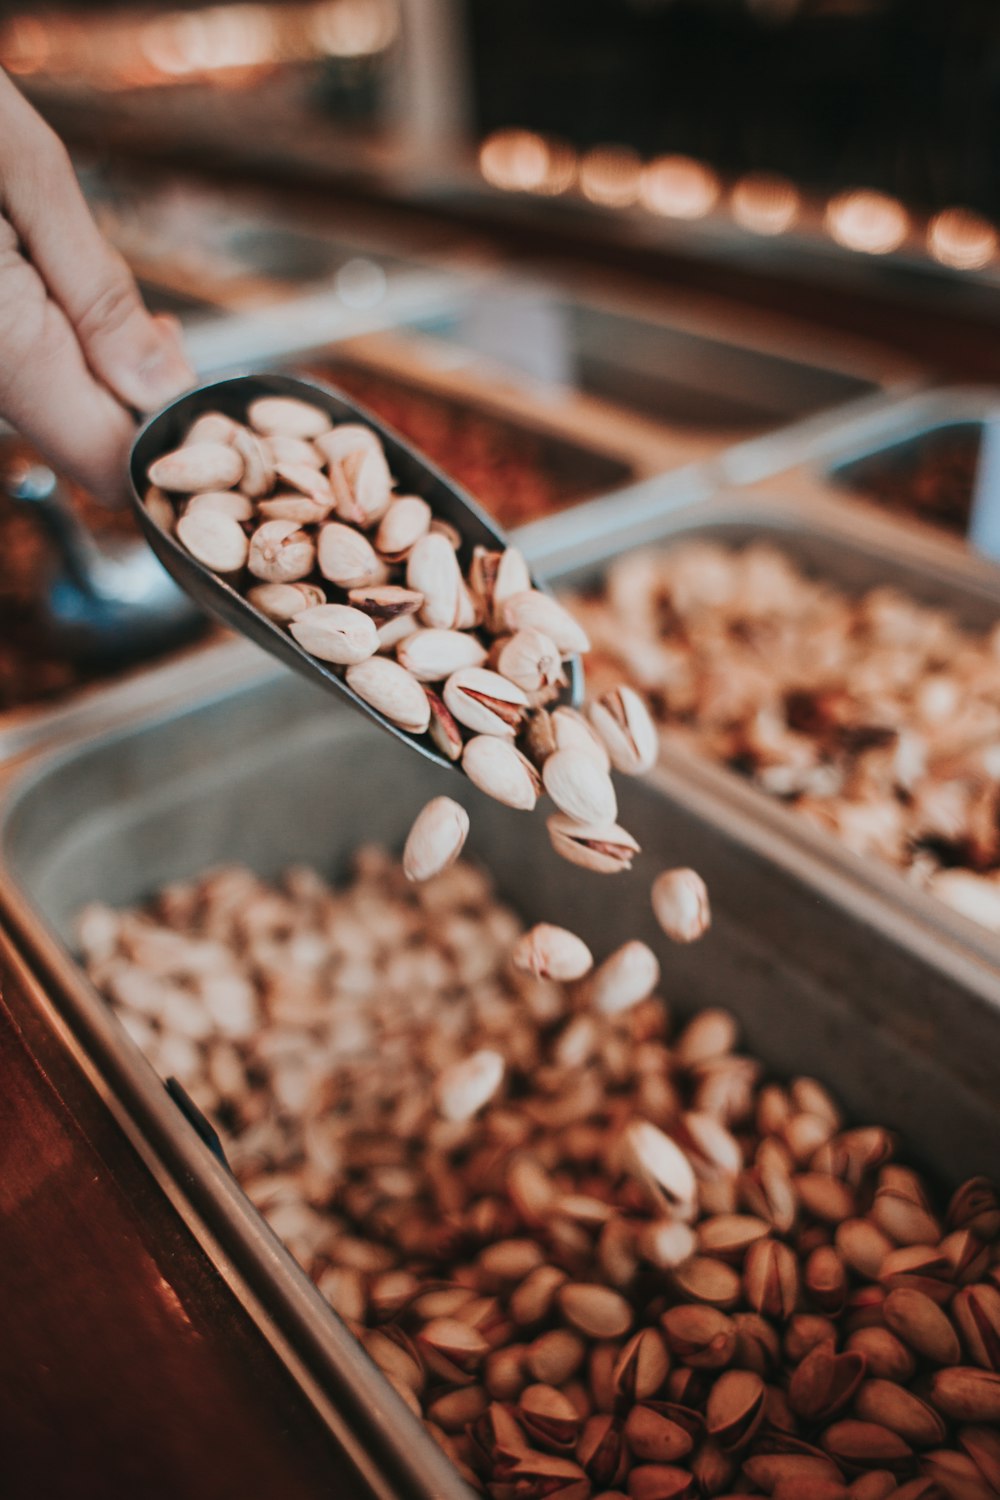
{"x":77,"y":346}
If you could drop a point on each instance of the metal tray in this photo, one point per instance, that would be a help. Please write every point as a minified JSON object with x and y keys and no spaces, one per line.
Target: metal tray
{"x":831,"y":457}
{"x":266,"y":772}
{"x":864,"y":554}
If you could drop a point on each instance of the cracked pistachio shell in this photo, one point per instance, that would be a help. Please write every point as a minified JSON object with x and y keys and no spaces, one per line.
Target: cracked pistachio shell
{"x":347,"y":558}
{"x":197,"y":467}
{"x":485,"y":702}
{"x":501,"y":771}
{"x":390,"y":689}
{"x":432,"y":570}
{"x":211,"y":427}
{"x":214,"y":539}
{"x":531,"y":609}
{"x":464,"y":1087}
{"x":436,"y":839}
{"x":362,"y":486}
{"x":579,"y":787}
{"x":680,"y":905}
{"x":628,"y":975}
{"x":551,"y":952}
{"x":605,"y":848}
{"x":281,"y":602}
{"x":433,"y":655}
{"x":286,"y":416}
{"x":281,"y":553}
{"x":400,"y":529}
{"x":335,"y":633}
{"x":232,"y":503}
{"x":624,"y":724}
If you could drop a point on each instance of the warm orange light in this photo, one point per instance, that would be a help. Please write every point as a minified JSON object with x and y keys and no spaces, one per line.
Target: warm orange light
{"x":355,"y":28}
{"x":208,"y":41}
{"x":960,"y":238}
{"x":765,"y":203}
{"x":611,"y":176}
{"x":519,"y":161}
{"x":24,"y":46}
{"x":867,"y":221}
{"x":678,"y":187}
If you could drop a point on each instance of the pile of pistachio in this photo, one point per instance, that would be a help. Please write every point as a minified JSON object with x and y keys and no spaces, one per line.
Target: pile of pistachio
{"x":598,"y":1254}
{"x":302,"y":516}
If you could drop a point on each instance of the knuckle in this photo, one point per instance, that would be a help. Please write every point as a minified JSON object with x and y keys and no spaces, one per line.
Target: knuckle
{"x":110,"y":306}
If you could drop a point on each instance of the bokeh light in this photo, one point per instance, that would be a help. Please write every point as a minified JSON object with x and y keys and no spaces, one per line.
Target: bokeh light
{"x":867,"y":221}
{"x":679,"y":188}
{"x":611,"y":176}
{"x":962,"y":239}
{"x":765,"y":203}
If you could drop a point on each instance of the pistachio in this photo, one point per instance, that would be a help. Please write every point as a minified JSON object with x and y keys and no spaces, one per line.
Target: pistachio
{"x":501,"y":771}
{"x":282,"y":602}
{"x":281,"y":449}
{"x":197,"y":467}
{"x":642,"y":1366}
{"x":532,"y":610}
{"x":346,"y":557}
{"x":308,"y":481}
{"x":600,"y":1449}
{"x":680,"y":905}
{"x":570,"y":731}
{"x":290,"y":506}
{"x":699,"y":1336}
{"x":866,"y":1445}
{"x":435,"y":841}
{"x":919,"y":1322}
{"x":391,"y":632}
{"x":285,"y":416}
{"x":623,"y":722}
{"x":982,"y":1445}
{"x":626,"y":977}
{"x":660,"y":1482}
{"x":448,"y":1346}
{"x":771,"y":1278}
{"x":924,"y":1268}
{"x":900,"y":1210}
{"x":432,"y":570}
{"x":454,"y":1410}
{"x":384,"y":601}
{"x":362,"y":486}
{"x":549,"y":1419}
{"x":976,"y":1206}
{"x":258,"y":470}
{"x":495,"y":577}
{"x":214,"y":539}
{"x":729,"y":1236}
{"x":485,"y":702}
{"x":825,"y":1382}
{"x":710,"y":1034}
{"x":825,"y":1278}
{"x":579,"y":788}
{"x":666,"y":1243}
{"x":228,"y":502}
{"x":603,"y":847}
{"x":661,"y":1165}
{"x":597,"y":1311}
{"x":442,"y":728}
{"x":335,"y":633}
{"x":901,"y":1411}
{"x":161,"y":509}
{"x":555,"y":1357}
{"x":703,"y":1279}
{"x":530,"y":660}
{"x":654,"y":1437}
{"x":863,"y":1246}
{"x":391,"y":690}
{"x":886,"y":1356}
{"x":404,"y":523}
{"x":769,"y":1470}
{"x":532,"y":1301}
{"x":552,"y":953}
{"x":280,"y":552}
{"x":952,"y":1475}
{"x":433,"y":655}
{"x":211,"y":427}
{"x":964,"y":1393}
{"x":339,"y":442}
{"x":735,"y":1408}
{"x":976,"y":1310}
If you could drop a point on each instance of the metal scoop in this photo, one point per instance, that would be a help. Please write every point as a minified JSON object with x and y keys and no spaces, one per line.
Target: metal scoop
{"x":414,"y":474}
{"x":106,"y":602}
